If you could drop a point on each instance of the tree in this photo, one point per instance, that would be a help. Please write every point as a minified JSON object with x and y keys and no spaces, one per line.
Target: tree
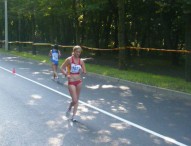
{"x":187,"y":14}
{"x":121,"y":33}
{"x":103,"y":24}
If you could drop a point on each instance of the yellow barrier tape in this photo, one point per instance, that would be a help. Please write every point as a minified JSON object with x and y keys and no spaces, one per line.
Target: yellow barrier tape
{"x":65,"y":46}
{"x":137,"y":48}
{"x":163,"y":50}
{"x":42,"y":44}
{"x":98,"y":49}
{"x":17,"y":42}
{"x":26,"y":42}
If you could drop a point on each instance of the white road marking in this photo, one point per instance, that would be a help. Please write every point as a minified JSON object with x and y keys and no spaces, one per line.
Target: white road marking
{"x":166,"y":138}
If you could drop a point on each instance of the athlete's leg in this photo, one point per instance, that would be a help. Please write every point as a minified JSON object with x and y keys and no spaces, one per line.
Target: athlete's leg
{"x":54,"y":68}
{"x":72,"y":90}
{"x":78,"y":89}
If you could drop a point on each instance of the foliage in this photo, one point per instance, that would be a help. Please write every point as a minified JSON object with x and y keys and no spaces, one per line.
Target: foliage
{"x":95,"y":23}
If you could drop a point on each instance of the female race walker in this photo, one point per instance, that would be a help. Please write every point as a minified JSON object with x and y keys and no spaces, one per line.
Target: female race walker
{"x":55,"y":54}
{"x":72,"y":68}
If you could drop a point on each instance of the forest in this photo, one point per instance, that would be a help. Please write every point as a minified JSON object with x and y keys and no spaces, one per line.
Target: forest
{"x":105,"y":24}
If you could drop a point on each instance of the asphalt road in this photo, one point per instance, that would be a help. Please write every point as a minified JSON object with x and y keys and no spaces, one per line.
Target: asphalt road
{"x":32,"y":111}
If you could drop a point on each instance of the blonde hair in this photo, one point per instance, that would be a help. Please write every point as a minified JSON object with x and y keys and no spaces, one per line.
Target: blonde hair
{"x":77,"y":48}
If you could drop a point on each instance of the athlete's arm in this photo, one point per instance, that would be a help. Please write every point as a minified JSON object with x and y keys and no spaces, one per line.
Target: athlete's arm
{"x":83,"y":67}
{"x":50,"y":53}
{"x":59,"y":53}
{"x":64,"y":65}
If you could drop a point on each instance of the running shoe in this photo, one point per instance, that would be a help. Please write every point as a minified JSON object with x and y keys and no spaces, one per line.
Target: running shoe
{"x":56,"y":79}
{"x":73,"y":120}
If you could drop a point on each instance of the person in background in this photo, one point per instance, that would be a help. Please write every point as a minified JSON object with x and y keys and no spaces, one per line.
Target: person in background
{"x":72,"y":68}
{"x":55,"y":54}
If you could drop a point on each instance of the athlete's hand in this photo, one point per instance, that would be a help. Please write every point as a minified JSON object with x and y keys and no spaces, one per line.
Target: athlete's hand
{"x":64,"y":72}
{"x":68,"y":76}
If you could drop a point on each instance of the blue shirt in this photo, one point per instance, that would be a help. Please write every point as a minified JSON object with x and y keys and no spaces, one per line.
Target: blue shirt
{"x":54,"y":56}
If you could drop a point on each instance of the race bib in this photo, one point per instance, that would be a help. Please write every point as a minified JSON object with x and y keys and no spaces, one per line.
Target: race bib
{"x":55,"y":56}
{"x":75,"y":68}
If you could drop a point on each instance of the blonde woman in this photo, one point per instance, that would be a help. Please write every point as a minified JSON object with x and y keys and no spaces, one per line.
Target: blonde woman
{"x":72,"y":68}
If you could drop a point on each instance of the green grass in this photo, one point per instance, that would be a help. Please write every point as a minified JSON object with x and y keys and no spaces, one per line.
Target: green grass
{"x":177,"y":84}
{"x":163,"y":81}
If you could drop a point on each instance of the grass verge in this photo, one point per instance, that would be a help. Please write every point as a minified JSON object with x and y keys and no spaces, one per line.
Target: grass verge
{"x":162,"y":81}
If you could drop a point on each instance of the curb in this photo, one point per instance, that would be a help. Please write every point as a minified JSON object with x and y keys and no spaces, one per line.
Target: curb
{"x":144,"y":87}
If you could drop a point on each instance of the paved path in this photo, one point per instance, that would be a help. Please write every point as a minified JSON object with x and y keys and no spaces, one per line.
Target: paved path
{"x":111,"y":113}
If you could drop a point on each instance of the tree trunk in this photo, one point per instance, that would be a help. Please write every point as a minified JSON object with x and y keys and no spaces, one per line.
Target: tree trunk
{"x":76,"y":27}
{"x":188,"y":47}
{"x":121,"y":33}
